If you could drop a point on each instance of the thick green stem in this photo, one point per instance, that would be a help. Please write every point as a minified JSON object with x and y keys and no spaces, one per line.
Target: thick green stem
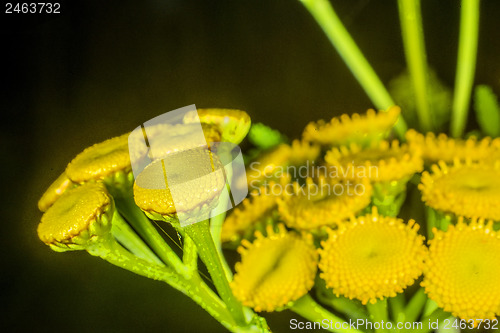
{"x":466,"y":64}
{"x":325,"y":16}
{"x":200,"y":234}
{"x":148,"y":232}
{"x":397,"y":305}
{"x":413,"y":40}
{"x":415,"y":306}
{"x":312,"y":311}
{"x":128,"y":238}
{"x":379,"y":314}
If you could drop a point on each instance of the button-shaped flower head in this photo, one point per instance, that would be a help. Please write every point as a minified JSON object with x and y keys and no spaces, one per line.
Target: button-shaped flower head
{"x":81,"y":216}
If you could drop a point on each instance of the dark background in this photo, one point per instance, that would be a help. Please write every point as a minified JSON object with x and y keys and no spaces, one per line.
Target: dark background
{"x":101,"y":68}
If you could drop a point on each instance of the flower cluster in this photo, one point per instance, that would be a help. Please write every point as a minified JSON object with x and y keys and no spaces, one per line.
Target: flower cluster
{"x":321,"y":217}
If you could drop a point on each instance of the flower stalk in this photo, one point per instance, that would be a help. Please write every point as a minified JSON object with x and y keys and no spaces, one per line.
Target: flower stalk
{"x":413,"y":40}
{"x":466,"y":64}
{"x":328,"y":20}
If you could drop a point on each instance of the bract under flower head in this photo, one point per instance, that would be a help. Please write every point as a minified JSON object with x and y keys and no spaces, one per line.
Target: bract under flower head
{"x":356,"y":128}
{"x":372,"y":257}
{"x":80,"y":216}
{"x":462,"y":271}
{"x":381,"y":162}
{"x":470,"y":189}
{"x":275,"y":270}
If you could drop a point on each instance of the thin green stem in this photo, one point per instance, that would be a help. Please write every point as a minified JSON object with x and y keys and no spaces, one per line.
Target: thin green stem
{"x":148,"y":232}
{"x":415,"y":306}
{"x":345,"y":306}
{"x":413,"y":40}
{"x":379,"y":313}
{"x":432,"y":220}
{"x":466,"y":64}
{"x":312,"y":311}
{"x":431,"y":322}
{"x":200,"y":234}
{"x":128,"y":238}
{"x":190,"y":255}
{"x":325,"y":16}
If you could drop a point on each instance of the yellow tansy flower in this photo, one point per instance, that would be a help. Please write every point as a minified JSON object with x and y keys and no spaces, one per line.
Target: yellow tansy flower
{"x":79,"y":216}
{"x":323,"y":203}
{"x":357,"y":128}
{"x":463,"y":270}
{"x":108,"y":160}
{"x":470,"y":189}
{"x":55,"y":190}
{"x":257,"y":207}
{"x":303,"y":152}
{"x":372,"y":257}
{"x":442,"y":148}
{"x":382,"y":162}
{"x":232,"y":124}
{"x":270,"y":165}
{"x":197,"y":185}
{"x":275,"y":270}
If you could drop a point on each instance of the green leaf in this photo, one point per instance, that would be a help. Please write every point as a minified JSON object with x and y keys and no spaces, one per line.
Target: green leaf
{"x":264,"y":137}
{"x":487,"y":110}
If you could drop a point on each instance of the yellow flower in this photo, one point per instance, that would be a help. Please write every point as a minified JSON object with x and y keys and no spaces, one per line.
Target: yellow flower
{"x":382,"y":162}
{"x":108,"y":161}
{"x":55,"y":190}
{"x":197,"y":185}
{"x":372,"y":257}
{"x":232,"y":124}
{"x":323,"y":203}
{"x":463,"y":270}
{"x":79,"y":216}
{"x":274,"y":270}
{"x":470,"y":189}
{"x":269,"y":165}
{"x":442,"y":148}
{"x":303,"y":152}
{"x":357,"y":128}
{"x":254,"y":209}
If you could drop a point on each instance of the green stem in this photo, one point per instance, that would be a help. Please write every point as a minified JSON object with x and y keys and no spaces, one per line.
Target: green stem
{"x":379,"y":314}
{"x":200,"y":234}
{"x":415,"y":305}
{"x":109,"y":250}
{"x":466,"y":64}
{"x":431,"y":219}
{"x":312,"y":311}
{"x":344,"y":306}
{"x":413,"y":40}
{"x":148,"y":232}
{"x":427,"y":323}
{"x":325,"y":16}
{"x":397,"y":305}
{"x":126,"y":236}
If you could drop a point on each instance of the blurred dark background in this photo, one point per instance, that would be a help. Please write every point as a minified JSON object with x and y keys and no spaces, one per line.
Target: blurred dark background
{"x":100,"y":68}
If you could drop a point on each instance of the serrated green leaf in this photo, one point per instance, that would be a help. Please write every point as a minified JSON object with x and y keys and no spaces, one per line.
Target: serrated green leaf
{"x":264,"y":137}
{"x":487,"y":110}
